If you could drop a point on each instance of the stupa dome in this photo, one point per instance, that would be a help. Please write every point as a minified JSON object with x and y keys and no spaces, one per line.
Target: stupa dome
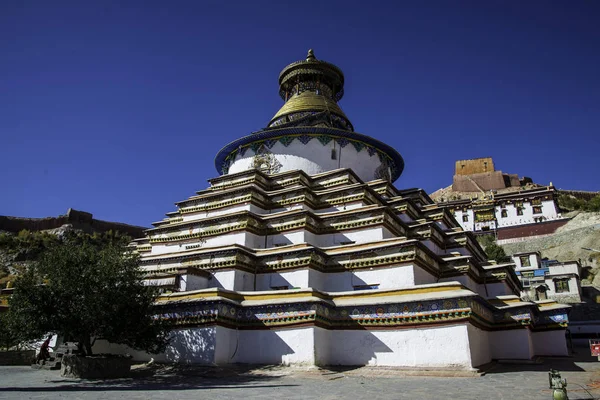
{"x":310,"y":132}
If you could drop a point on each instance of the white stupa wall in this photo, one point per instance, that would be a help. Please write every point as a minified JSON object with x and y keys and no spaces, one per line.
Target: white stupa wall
{"x":254,"y":241}
{"x":232,"y":280}
{"x":550,"y":343}
{"x":396,"y":277}
{"x":284,"y":346}
{"x":479,"y":341}
{"x":240,"y":237}
{"x":314,"y":158}
{"x":200,"y":215}
{"x":460,"y":346}
{"x":193,"y":282}
{"x":497,"y":289}
{"x":512,"y":344}
{"x":467,"y":282}
{"x":440,"y":347}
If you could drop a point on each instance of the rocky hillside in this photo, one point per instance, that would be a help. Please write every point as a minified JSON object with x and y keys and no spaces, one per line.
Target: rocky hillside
{"x":583,"y":231}
{"x":23,"y":239}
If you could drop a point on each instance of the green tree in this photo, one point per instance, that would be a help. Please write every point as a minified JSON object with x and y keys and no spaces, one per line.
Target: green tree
{"x":8,"y":335}
{"x":496,"y":252}
{"x":571,"y":203}
{"x":85,"y":288}
{"x":493,"y":250}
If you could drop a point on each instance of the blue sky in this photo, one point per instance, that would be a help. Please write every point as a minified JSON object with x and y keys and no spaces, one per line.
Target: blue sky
{"x":118,"y":108}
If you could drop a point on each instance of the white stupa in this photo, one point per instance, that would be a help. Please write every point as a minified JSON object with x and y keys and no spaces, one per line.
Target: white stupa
{"x":303,"y":252}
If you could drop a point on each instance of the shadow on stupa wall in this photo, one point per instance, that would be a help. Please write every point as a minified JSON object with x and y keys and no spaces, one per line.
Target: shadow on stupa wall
{"x":191,"y":346}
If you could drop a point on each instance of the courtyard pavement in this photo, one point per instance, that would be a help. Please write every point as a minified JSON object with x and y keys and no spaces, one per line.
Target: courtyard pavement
{"x":500,"y":381}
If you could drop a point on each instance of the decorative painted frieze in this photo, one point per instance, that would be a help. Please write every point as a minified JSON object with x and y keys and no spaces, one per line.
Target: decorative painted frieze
{"x":418,"y":312}
{"x":216,"y":204}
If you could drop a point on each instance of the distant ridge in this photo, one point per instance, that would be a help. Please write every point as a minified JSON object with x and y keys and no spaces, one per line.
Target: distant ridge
{"x":79,"y":220}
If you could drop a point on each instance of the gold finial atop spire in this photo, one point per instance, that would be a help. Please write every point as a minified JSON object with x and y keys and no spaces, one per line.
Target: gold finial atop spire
{"x":311,"y":55}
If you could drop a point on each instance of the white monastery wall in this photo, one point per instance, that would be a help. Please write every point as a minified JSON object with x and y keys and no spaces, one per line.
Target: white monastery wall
{"x":549,"y":211}
{"x":574,"y":289}
{"x":469,"y":224}
{"x":512,"y":344}
{"x":532,"y":258}
{"x":564,"y":268}
{"x":479,"y":342}
{"x":549,"y":343}
{"x":293,"y":157}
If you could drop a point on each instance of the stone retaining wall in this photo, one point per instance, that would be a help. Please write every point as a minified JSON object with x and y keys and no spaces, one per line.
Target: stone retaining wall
{"x":24,"y":357}
{"x":95,"y":367}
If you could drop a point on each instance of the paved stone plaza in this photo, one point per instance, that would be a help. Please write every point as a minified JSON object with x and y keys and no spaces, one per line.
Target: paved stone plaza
{"x":501,"y":381}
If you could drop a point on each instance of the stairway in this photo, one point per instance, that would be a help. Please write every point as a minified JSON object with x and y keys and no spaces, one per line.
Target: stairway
{"x":54,"y":362}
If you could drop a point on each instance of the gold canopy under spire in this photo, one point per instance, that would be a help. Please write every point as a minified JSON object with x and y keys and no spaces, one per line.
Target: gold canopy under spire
{"x":311,"y":87}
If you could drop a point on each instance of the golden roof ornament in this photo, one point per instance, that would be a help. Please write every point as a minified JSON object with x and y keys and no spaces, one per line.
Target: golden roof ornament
{"x":311,"y":87}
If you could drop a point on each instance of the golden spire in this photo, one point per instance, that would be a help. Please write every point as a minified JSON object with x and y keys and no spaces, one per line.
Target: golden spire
{"x":311,"y":86}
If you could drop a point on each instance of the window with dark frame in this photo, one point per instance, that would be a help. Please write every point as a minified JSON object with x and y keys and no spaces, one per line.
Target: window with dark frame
{"x":504,"y":213}
{"x":525,"y":262}
{"x":561,"y":286}
{"x":465,"y":217}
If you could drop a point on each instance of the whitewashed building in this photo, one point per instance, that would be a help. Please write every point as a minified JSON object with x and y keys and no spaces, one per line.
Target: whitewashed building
{"x":548,"y":280}
{"x":496,"y":211}
{"x":303,"y":252}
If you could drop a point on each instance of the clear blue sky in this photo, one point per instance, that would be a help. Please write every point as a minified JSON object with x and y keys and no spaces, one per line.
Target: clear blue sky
{"x":118,"y":108}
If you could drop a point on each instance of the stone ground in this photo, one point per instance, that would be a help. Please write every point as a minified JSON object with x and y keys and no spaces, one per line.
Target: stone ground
{"x":500,"y":381}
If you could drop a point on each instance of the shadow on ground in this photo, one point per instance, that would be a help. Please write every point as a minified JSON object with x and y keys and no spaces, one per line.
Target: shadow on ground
{"x":581,"y":360}
{"x":168,"y":377}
